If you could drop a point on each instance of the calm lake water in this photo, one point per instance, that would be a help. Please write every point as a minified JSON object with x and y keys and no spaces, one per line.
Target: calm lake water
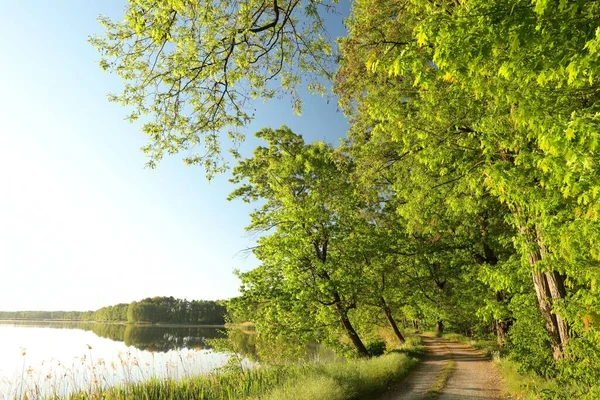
{"x":59,"y":357}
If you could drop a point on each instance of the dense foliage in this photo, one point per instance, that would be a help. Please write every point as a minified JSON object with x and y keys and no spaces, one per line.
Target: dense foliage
{"x":499,"y":100}
{"x":176,"y":311}
{"x":466,"y":194}
{"x":150,"y":310}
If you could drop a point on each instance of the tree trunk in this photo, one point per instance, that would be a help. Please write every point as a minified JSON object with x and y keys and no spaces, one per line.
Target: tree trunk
{"x":501,"y":331}
{"x":556,"y":284}
{"x":556,"y":327}
{"x":503,"y":325}
{"x":342,"y":310}
{"x":390,"y":318}
{"x":439,"y":328}
{"x":549,"y":286}
{"x":351,"y":332}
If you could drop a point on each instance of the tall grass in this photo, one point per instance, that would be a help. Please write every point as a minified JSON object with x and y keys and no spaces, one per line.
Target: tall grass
{"x":337,"y":380}
{"x":219,"y":384}
{"x":343,"y":381}
{"x":354,"y":379}
{"x":88,"y":375}
{"x":528,"y":386}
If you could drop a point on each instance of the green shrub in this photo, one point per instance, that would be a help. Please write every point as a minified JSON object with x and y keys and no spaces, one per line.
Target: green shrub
{"x":376,"y":348}
{"x":528,"y":338}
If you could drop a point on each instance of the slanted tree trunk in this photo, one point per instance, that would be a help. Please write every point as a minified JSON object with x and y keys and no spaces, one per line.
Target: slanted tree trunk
{"x":390,"y":318}
{"x":351,"y":332}
{"x":542,"y":292}
{"x":321,"y":253}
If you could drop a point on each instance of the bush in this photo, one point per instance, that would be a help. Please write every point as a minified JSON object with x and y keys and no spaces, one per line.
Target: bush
{"x":376,"y":348}
{"x":528,"y":339}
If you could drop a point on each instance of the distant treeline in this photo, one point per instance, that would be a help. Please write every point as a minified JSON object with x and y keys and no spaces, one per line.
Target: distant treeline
{"x":150,"y":310}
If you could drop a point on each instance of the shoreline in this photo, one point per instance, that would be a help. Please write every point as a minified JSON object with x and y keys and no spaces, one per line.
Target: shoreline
{"x":165,"y":325}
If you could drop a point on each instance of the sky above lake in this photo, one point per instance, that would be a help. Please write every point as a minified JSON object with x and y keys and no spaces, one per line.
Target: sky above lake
{"x":82,"y":223}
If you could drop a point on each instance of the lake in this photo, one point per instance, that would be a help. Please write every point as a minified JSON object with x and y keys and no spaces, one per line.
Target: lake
{"x":40,"y":358}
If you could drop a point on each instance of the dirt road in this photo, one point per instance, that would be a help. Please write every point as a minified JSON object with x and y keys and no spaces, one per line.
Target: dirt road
{"x":474,"y":376}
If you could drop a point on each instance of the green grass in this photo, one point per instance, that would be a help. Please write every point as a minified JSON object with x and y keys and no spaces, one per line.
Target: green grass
{"x":221,"y":384}
{"x":525,"y":386}
{"x":343,"y":381}
{"x":353,"y":379}
{"x":440,"y":383}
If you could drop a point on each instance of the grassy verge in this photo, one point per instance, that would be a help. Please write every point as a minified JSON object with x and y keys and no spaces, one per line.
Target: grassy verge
{"x":342,"y":381}
{"x":354,"y":379}
{"x":526,"y":386}
{"x":447,"y":372}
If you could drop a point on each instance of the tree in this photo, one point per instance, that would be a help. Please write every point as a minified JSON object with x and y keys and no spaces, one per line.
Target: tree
{"x":175,"y":311}
{"x":284,"y":325}
{"x":486,"y":94}
{"x":306,"y":218}
{"x":194,"y":66}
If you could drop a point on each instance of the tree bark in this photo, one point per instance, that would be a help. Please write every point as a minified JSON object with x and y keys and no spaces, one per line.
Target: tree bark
{"x":321,"y":252}
{"x":556,"y":284}
{"x":502,"y":326}
{"x":390,"y":318}
{"x":351,"y":332}
{"x":549,"y":286}
{"x":501,"y":331}
{"x":556,"y":327}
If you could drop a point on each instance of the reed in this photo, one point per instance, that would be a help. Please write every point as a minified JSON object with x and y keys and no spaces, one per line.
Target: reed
{"x":237,"y":379}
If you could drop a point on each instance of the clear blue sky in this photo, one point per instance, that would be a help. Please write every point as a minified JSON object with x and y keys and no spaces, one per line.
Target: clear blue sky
{"x":82,"y":223}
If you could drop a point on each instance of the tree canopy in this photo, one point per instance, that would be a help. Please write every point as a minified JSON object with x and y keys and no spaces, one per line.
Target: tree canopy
{"x":194,"y":67}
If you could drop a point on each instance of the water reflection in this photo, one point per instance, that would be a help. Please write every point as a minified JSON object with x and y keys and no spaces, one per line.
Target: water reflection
{"x":248,"y":344}
{"x":162,"y":339}
{"x":143,"y":337}
{"x":55,"y":359}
